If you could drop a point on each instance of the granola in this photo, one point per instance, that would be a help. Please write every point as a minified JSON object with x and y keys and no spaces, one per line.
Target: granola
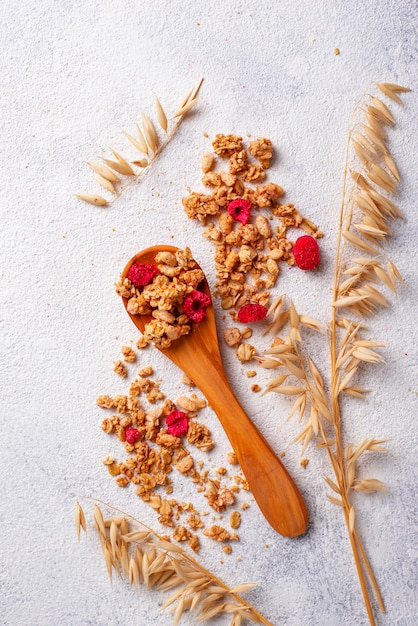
{"x":248,"y":254}
{"x":168,"y":294}
{"x":153,"y":454}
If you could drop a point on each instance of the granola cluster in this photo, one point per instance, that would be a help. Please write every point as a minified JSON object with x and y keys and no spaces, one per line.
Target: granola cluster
{"x":168,"y":294}
{"x":250,"y":243}
{"x":142,"y":420}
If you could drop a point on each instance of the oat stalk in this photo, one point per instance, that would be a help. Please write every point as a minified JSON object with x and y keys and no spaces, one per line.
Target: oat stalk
{"x":361,"y":272}
{"x":134,"y":551}
{"x":117,"y":174}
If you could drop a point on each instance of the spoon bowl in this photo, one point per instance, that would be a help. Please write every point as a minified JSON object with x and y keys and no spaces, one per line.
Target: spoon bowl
{"x":198,"y":355}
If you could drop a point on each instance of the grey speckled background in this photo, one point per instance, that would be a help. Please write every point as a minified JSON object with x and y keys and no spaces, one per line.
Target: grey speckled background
{"x":73,"y":74}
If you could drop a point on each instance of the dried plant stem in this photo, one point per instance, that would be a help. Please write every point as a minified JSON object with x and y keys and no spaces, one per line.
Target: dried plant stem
{"x":363,"y":221}
{"x":144,"y":555}
{"x":147,"y":143}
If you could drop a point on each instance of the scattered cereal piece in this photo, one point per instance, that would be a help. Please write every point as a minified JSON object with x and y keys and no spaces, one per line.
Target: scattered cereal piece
{"x":120,"y":369}
{"x":246,"y":333}
{"x":336,"y":51}
{"x":250,"y":373}
{"x":145,"y":371}
{"x":208,"y":162}
{"x":227,"y":549}
{"x":113,"y":469}
{"x":262,"y":149}
{"x":304,"y":462}
{"x":191,"y":404}
{"x":128,"y":354}
{"x":217,"y":533}
{"x":181,"y":534}
{"x":245,"y":352}
{"x":255,"y":388}
{"x":225,"y":145}
{"x":185,"y":465}
{"x":194,"y":543}
{"x":232,"y":458}
{"x":232,"y":336}
{"x":235,"y":519}
{"x":186,"y":380}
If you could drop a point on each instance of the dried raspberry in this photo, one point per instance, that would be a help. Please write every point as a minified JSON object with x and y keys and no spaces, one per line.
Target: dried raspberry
{"x":177,"y":423}
{"x":195,"y":304}
{"x":306,"y":252}
{"x":240,"y":210}
{"x":251,"y":313}
{"x":132,"y":435}
{"x":141,"y":274}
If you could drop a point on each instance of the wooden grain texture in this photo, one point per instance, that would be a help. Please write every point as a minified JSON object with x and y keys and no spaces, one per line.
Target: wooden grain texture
{"x":198,"y":355}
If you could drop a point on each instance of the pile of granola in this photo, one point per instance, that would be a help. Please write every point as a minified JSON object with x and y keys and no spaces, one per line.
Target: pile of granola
{"x":168,"y":292}
{"x":141,"y":421}
{"x":249,"y":245}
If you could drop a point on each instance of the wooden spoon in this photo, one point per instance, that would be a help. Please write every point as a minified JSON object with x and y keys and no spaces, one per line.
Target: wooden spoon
{"x":198,"y":355}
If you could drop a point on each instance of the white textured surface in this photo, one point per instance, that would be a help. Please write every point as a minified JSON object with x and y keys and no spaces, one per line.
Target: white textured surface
{"x":73,"y":74}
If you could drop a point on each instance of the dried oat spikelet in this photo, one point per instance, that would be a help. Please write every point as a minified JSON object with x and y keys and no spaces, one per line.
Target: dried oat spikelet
{"x":93,"y":199}
{"x":145,"y":559}
{"x":79,"y":519}
{"x":146,"y":141}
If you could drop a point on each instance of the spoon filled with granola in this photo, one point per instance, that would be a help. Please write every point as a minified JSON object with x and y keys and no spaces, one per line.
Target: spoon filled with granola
{"x":168,"y":299}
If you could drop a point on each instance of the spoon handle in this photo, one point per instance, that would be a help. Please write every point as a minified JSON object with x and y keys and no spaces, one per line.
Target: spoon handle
{"x":270,"y":483}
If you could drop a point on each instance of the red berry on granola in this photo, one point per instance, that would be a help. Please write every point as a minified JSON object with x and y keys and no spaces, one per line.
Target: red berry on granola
{"x":141,"y":274}
{"x":177,"y":423}
{"x":240,"y":210}
{"x":251,"y":313}
{"x":306,"y":252}
{"x":195,"y":304}
{"x":132,"y":435}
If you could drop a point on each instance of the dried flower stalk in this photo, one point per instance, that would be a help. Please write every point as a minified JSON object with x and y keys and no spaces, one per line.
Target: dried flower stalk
{"x":148,"y":144}
{"x":361,"y":270}
{"x":134,"y":551}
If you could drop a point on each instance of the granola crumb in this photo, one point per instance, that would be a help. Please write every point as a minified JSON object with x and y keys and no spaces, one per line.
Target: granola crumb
{"x":235,"y":519}
{"x":218,"y":533}
{"x":194,"y":543}
{"x":304,"y":462}
{"x":255,"y":388}
{"x":232,"y":336}
{"x":128,"y":354}
{"x":120,"y":369}
{"x":208,"y":162}
{"x":250,"y":373}
{"x":187,"y":381}
{"x":245,"y":352}
{"x":181,"y":533}
{"x":227,"y":549}
{"x":232,"y":458}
